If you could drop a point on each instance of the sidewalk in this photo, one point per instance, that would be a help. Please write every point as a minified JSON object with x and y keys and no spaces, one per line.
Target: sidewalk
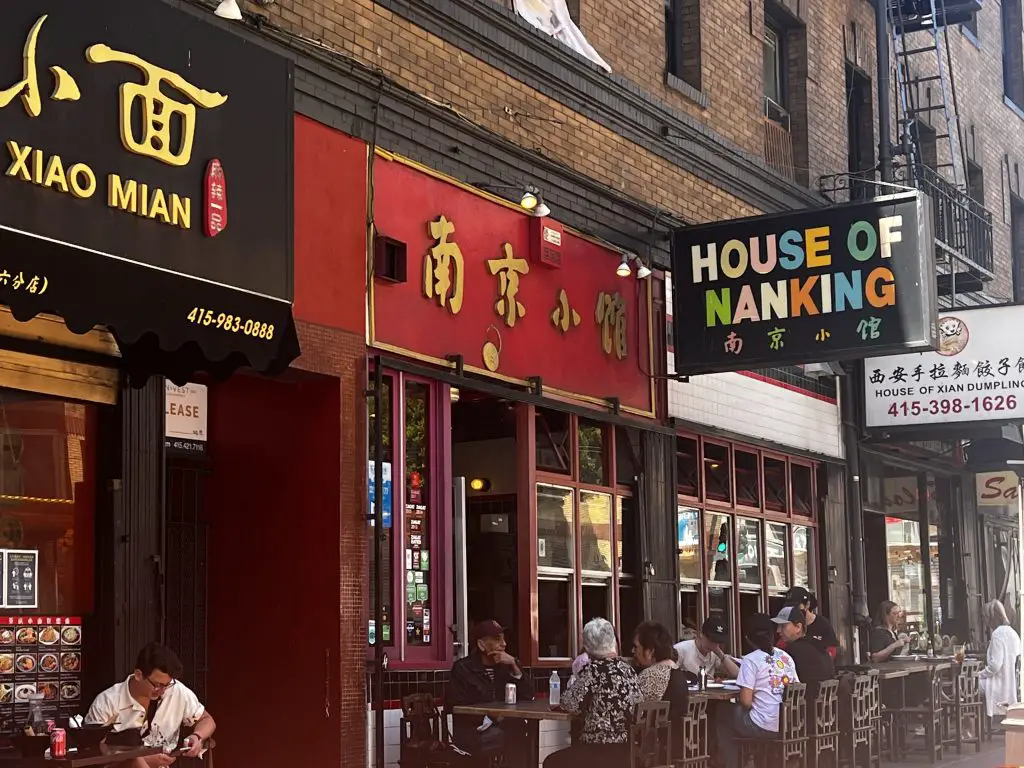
{"x":991,"y":756}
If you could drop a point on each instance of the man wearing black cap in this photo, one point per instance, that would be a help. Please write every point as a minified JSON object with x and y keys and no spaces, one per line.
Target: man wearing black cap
{"x":706,"y":651}
{"x":480,"y":678}
{"x":819,"y":629}
{"x":813,"y":663}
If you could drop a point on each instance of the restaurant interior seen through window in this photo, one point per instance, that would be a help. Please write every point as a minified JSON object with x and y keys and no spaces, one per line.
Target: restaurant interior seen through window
{"x":47,"y":503}
{"x":747,"y":531}
{"x":581,"y":510}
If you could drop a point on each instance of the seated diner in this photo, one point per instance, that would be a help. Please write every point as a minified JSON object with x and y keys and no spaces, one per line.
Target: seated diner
{"x":706,"y":651}
{"x":155,"y":704}
{"x":764,"y":674}
{"x":605,"y":693}
{"x":885,"y":643}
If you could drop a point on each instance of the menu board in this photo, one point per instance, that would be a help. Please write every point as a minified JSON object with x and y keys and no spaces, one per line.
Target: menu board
{"x":21,"y":578}
{"x":39,"y":654}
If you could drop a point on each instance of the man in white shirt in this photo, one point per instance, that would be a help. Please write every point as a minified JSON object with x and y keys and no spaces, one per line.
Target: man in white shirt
{"x":155,"y":703}
{"x":706,"y":651}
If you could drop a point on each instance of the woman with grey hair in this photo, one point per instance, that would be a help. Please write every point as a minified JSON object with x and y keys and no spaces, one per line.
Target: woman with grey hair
{"x":605,"y":693}
{"x":999,"y":677}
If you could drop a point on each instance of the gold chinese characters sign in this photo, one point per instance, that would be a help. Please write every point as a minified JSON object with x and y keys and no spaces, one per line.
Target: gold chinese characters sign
{"x":126,"y":139}
{"x":476,"y":289}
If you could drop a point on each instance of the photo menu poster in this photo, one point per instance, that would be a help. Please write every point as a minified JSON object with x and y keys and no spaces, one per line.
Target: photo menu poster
{"x":39,"y":654}
{"x":21,"y":578}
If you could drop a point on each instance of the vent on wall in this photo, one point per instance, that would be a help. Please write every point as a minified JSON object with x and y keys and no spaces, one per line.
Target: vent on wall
{"x":389,"y":259}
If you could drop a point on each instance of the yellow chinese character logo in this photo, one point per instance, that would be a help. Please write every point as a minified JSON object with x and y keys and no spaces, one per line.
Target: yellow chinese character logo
{"x":64,"y":89}
{"x":563,"y":315}
{"x":611,"y":316}
{"x":158,"y":110}
{"x":508,"y":270}
{"x":443,"y":268}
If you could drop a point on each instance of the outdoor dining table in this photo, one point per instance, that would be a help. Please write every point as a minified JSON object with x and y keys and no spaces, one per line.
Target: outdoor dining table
{"x":93,"y":758}
{"x":530,"y":711}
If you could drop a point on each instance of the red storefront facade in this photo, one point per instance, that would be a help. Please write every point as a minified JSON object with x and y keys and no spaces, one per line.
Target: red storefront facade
{"x":516,"y":358}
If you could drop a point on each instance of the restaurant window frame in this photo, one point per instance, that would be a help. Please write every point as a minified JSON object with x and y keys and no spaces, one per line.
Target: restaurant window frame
{"x":777,"y":507}
{"x":438,"y":498}
{"x":580,"y":578}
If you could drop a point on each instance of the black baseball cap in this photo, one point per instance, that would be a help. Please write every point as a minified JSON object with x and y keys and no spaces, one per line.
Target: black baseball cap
{"x":489,"y":628}
{"x":759,"y":623}
{"x":791,"y":614}
{"x":714,"y":630}
{"x":797,"y":596}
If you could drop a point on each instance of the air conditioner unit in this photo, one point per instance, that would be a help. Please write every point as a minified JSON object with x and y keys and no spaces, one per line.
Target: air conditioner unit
{"x":776,"y":112}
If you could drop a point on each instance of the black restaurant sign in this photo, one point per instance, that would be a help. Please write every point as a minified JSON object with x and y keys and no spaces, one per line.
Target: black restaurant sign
{"x":147,"y":185}
{"x":811,"y":286}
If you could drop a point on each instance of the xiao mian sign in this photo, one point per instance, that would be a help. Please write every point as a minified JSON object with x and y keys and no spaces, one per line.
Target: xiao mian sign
{"x":823,"y":284}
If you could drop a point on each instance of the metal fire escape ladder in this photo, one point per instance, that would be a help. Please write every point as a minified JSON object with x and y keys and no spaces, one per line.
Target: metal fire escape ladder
{"x":929,"y":17}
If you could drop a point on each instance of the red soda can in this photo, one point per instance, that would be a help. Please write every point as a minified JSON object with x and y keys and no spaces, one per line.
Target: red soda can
{"x":50,"y":725}
{"x":58,"y":744}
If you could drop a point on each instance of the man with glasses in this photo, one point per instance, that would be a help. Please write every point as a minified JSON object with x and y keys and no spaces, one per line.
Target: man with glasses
{"x":156,"y":704}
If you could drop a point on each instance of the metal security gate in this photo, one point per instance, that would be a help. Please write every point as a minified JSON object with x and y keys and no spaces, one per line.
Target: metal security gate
{"x":186,"y":572}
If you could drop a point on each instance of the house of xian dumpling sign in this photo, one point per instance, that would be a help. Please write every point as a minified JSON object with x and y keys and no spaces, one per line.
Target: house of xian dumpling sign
{"x":823,"y":284}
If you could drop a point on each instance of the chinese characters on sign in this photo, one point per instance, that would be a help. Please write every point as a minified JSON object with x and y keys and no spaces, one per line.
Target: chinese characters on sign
{"x":162,"y":120}
{"x":977,"y":374}
{"x":19,"y":281}
{"x":508,"y":270}
{"x":216,"y":199}
{"x":830,"y":283}
{"x":444,"y":275}
{"x":444,"y":270}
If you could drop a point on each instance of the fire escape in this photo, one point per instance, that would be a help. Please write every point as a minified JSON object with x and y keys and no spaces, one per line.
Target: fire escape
{"x":928,"y":152}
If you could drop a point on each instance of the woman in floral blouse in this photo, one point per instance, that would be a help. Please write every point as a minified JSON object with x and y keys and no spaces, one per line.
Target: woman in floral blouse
{"x":605,"y":693}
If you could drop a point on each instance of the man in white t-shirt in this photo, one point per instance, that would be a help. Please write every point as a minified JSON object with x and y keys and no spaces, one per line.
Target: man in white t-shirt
{"x":155,"y":703}
{"x":706,"y":651}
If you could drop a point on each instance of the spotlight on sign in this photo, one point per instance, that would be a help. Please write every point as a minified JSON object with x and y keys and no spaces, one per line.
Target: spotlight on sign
{"x":228,"y":9}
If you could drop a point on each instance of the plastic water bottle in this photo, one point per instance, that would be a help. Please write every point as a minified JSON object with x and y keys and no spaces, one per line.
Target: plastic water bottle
{"x":702,"y":679}
{"x":554,"y":690}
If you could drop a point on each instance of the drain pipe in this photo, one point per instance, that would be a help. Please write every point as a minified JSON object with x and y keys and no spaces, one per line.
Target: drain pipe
{"x":854,"y":511}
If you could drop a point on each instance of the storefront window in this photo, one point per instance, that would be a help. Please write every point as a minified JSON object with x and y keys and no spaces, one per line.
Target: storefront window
{"x":748,"y":480}
{"x":688,"y":466}
{"x":718,"y":553}
{"x":48,"y":501}
{"x":749,"y":552}
{"x":803,"y":557}
{"x":418,"y":603}
{"x":774,"y":484}
{"x":554,"y":618}
{"x":596,"y":532}
{"x":555,"y":527}
{"x":720,"y":606}
{"x":592,"y":452}
{"x":777,"y":552}
{"x":386,"y":633}
{"x":554,"y":451}
{"x":803,"y":494}
{"x":717,"y":472}
{"x":689,"y":544}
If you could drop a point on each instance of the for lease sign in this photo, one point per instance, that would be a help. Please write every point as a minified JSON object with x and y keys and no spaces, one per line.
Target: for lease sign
{"x":976,"y":374}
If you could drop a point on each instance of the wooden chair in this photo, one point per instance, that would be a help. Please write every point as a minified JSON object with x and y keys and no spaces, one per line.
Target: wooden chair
{"x":860,"y":714}
{"x":423,"y":737}
{"x":692,"y":746}
{"x":650,"y":735}
{"x":928,"y":713}
{"x":790,"y":748}
{"x":967,"y":707}
{"x":824,"y":740}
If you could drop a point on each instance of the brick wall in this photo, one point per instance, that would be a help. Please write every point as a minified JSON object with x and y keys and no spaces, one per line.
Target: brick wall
{"x":342,"y":354}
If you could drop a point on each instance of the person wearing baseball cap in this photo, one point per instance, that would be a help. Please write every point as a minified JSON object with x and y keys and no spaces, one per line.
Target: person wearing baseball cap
{"x":706,"y":651}
{"x":819,"y":629}
{"x":764,"y":674}
{"x":480,"y":678}
{"x":813,"y":662}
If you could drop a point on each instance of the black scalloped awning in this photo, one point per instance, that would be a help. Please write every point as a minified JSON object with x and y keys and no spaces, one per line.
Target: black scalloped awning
{"x":165,"y":322}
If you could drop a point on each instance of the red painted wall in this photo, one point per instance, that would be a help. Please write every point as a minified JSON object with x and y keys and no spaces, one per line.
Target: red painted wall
{"x":330,"y":227}
{"x":274,"y":630}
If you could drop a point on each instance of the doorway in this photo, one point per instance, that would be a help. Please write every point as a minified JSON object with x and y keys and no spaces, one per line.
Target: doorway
{"x":483,"y":451}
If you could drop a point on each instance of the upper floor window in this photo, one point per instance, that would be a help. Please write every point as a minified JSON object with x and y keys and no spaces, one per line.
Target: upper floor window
{"x":682,"y":43}
{"x":774,"y":71}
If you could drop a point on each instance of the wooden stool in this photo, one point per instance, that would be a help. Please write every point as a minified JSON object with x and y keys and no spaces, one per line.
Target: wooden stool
{"x":692,"y":747}
{"x":825,"y":738}
{"x":650,"y":736}
{"x":928,"y":714}
{"x":423,"y":738}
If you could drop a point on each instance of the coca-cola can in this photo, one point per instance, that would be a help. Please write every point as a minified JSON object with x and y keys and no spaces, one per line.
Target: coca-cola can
{"x":50,"y":725}
{"x":58,"y":743}
{"x":510,"y":693}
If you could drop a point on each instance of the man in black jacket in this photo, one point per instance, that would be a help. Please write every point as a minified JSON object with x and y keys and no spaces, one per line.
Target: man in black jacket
{"x":813,"y":663}
{"x":480,"y":678}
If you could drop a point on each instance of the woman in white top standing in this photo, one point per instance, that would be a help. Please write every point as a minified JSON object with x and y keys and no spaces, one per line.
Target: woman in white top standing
{"x":999,"y":677}
{"x":764,"y":675}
